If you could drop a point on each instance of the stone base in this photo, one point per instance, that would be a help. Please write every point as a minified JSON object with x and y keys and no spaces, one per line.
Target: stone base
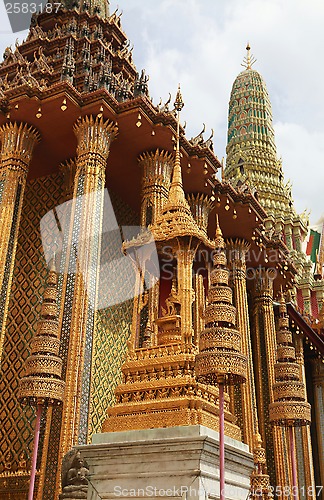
{"x":174,"y":413}
{"x":177,"y":462}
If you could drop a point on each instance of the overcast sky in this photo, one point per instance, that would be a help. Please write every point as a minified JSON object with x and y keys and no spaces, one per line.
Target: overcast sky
{"x":201,"y":44}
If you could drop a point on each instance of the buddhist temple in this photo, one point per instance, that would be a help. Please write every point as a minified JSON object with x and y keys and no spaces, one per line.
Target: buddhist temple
{"x":140,"y":277}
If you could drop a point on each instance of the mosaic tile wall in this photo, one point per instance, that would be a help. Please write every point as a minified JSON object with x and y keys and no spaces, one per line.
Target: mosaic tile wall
{"x":17,"y":423}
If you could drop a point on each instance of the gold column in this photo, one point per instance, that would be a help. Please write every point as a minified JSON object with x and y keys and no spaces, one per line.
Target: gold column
{"x":264,"y":336}
{"x":18,"y":141}
{"x":185,"y":258}
{"x":237,"y":251}
{"x":199,"y":306}
{"x":80,"y":264}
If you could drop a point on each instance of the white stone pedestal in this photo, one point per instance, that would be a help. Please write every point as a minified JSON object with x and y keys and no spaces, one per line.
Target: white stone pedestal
{"x":173,"y":463}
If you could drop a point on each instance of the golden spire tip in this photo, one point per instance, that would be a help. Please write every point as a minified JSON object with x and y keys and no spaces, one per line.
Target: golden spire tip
{"x":178,"y":103}
{"x":248,"y":60}
{"x":218,"y":229}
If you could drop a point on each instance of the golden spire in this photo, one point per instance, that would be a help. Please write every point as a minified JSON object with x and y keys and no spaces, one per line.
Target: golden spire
{"x":176,"y":193}
{"x":249,"y":59}
{"x":176,"y":198}
{"x":219,"y":240}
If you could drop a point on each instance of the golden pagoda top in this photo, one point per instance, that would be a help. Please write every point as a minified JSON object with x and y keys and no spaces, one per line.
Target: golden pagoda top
{"x":176,"y":218}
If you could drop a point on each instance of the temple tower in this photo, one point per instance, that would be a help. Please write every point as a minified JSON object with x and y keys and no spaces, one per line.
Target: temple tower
{"x":251,"y":150}
{"x":252,"y":166}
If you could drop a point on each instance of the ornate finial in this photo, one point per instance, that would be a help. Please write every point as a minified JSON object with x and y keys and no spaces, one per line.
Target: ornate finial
{"x":178,"y":103}
{"x":249,"y":59}
{"x":218,"y":232}
{"x":176,"y":193}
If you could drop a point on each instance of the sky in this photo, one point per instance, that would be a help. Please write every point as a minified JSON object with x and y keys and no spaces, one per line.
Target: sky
{"x":201,"y":45}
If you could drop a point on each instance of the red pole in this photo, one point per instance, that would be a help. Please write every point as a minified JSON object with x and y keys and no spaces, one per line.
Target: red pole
{"x":221,"y":443}
{"x":35,"y":452}
{"x":293,"y":463}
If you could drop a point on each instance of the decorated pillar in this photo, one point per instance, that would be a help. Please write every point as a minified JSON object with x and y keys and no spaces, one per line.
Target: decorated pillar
{"x":94,"y":136}
{"x":199,"y":305}
{"x":68,"y":169}
{"x":237,"y":250}
{"x":79,"y":283}
{"x":264,"y":344}
{"x":201,"y":206}
{"x":306,"y":292}
{"x":260,"y":484}
{"x":17,"y":144}
{"x":185,"y":258}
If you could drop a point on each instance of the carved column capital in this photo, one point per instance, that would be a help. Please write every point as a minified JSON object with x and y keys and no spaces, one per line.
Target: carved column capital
{"x":17,"y":143}
{"x":94,"y":136}
{"x":236,"y":256}
{"x":201,"y":206}
{"x":263,"y":282}
{"x":156,"y":168}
